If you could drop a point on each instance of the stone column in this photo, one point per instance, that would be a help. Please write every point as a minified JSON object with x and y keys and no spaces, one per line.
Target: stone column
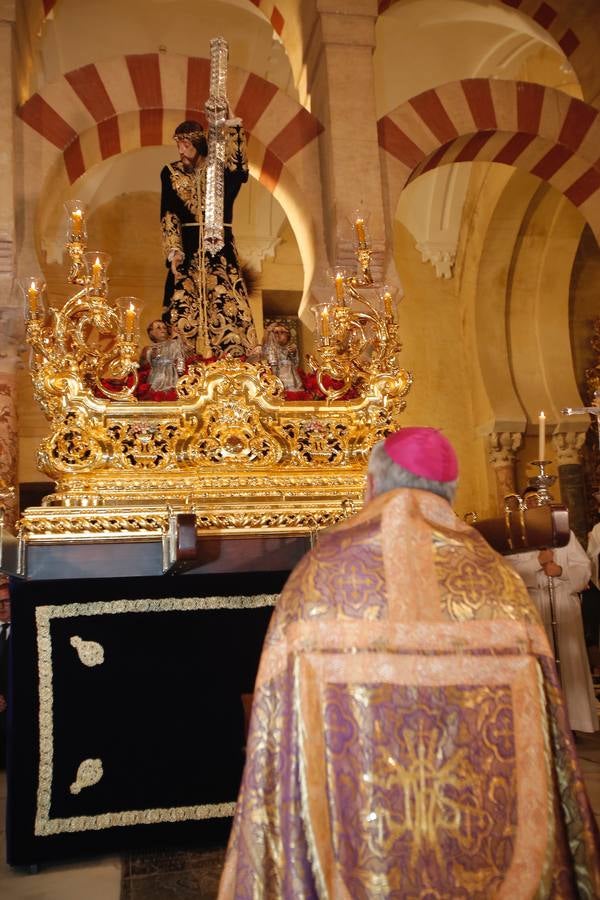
{"x":11,"y":325}
{"x":7,"y":153}
{"x":341,"y":83}
{"x":503,"y":446}
{"x":567,"y":447}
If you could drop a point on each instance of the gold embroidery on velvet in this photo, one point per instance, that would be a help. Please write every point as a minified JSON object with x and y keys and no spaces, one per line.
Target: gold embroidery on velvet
{"x":44,"y":825}
{"x":89,"y":772}
{"x":235,"y":149}
{"x":90,"y":653}
{"x":188,"y":185}
{"x":171,"y":233}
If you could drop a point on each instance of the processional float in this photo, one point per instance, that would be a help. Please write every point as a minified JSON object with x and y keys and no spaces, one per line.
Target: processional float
{"x":230,"y":450}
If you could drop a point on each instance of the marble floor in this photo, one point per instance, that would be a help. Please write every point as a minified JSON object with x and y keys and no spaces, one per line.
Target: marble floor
{"x":100,"y":879}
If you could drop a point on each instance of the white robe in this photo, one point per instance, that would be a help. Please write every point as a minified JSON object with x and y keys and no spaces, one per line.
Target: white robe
{"x":575,"y":672}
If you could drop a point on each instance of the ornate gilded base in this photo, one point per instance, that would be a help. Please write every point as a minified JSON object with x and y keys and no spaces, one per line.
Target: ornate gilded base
{"x":231,"y":451}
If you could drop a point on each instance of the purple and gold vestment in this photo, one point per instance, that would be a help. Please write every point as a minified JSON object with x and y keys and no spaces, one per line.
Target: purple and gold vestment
{"x":408,"y":735}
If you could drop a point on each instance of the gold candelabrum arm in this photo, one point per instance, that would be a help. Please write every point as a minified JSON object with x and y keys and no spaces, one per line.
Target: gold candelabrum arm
{"x":89,"y":344}
{"x":358,"y":343}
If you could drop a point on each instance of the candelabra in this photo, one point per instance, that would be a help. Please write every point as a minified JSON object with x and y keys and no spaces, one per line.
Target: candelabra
{"x":358,"y":342}
{"x":542,"y":482}
{"x":90,"y":344}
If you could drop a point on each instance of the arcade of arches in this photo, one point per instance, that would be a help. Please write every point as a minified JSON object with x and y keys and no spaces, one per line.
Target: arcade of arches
{"x":467,"y":130}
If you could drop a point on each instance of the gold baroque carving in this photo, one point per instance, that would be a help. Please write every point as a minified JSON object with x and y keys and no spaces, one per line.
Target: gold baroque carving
{"x":230,"y":431}
{"x":44,"y":823}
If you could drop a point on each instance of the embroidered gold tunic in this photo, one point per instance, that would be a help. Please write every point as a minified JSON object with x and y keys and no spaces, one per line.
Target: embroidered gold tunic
{"x":207,"y":302}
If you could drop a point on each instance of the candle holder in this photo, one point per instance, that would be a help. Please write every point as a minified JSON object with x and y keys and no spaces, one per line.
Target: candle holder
{"x":90,"y":345}
{"x":96,"y":267}
{"x":33,"y":289}
{"x":129,"y":313}
{"x":76,"y":240}
{"x":338,"y":276}
{"x":362,"y":250}
{"x":388,"y":299}
{"x":358,"y":343}
{"x":542,"y":482}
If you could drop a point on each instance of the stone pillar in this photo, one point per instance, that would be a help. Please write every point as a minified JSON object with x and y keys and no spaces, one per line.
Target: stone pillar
{"x":341,"y":84}
{"x":567,"y":447}
{"x":503,"y":446}
{"x":11,"y":324}
{"x":7,"y":153}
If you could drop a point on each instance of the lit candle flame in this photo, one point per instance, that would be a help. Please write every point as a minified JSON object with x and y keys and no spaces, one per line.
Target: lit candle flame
{"x":130,"y":318}
{"x":96,"y":272}
{"x":77,"y":222}
{"x":33,"y":293}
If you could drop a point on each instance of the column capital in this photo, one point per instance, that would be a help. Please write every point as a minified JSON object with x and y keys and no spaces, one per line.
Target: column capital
{"x":503,"y":447}
{"x":567,"y":446}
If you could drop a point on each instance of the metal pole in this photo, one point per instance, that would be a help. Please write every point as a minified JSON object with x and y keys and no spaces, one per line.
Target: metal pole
{"x":554,"y":623}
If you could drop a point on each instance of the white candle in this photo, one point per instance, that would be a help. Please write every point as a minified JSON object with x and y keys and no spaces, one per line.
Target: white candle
{"x":542,"y":435}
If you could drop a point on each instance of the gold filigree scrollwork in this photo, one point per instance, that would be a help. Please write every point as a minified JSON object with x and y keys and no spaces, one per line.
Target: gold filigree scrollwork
{"x":89,"y":773}
{"x":90,"y":653}
{"x":149,"y":444}
{"x":232,"y":433}
{"x":358,"y":340}
{"x":74,"y":446}
{"x":317,"y":441}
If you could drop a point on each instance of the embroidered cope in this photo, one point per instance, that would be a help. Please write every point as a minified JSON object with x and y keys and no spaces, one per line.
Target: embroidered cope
{"x":408,"y":734}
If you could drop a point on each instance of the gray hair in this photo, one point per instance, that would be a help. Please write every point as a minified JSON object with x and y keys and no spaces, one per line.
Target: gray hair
{"x":387,"y":475}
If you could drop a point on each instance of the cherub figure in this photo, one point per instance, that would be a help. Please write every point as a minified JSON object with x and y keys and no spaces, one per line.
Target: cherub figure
{"x":165,"y":356}
{"x":281,"y":354}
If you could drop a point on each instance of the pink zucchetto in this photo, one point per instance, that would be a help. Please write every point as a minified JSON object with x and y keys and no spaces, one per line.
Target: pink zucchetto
{"x":423,"y":451}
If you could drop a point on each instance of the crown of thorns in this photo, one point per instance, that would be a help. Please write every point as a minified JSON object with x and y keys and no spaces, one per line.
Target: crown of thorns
{"x":189,"y":135}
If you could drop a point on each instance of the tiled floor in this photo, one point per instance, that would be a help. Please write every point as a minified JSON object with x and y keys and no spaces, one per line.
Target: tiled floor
{"x":100,"y":879}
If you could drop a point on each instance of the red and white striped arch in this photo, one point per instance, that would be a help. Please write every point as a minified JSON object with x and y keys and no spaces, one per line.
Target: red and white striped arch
{"x":544,"y":13}
{"x":535,"y":128}
{"x":120,"y":104}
